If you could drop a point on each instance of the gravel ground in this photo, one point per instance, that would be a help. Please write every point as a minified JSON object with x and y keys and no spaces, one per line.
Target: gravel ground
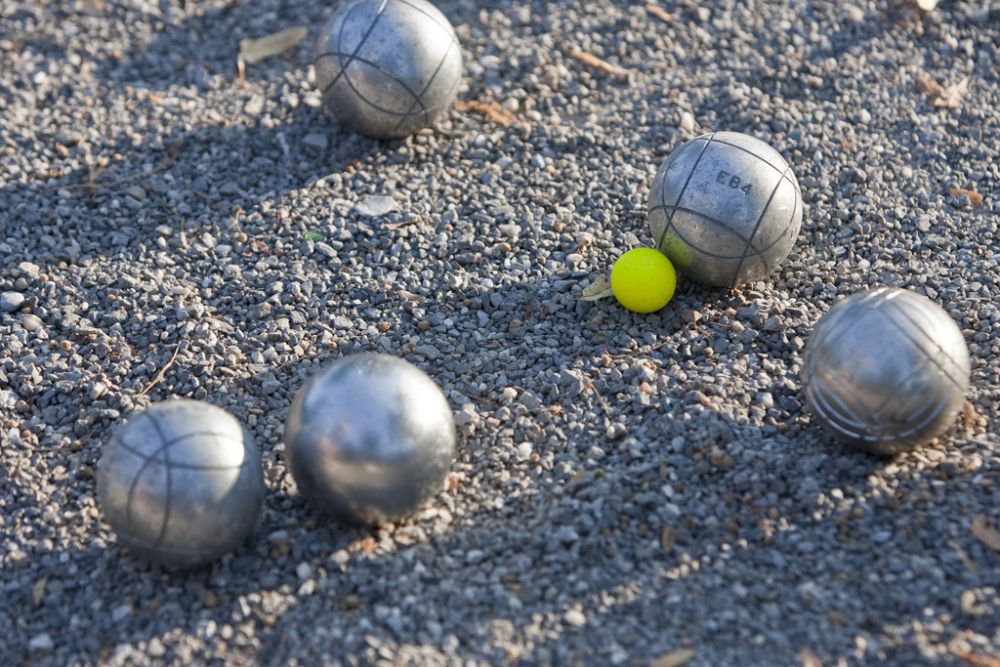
{"x":627,"y":485}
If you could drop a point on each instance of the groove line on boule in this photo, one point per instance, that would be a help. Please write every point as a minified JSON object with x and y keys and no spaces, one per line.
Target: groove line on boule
{"x":687,"y":181}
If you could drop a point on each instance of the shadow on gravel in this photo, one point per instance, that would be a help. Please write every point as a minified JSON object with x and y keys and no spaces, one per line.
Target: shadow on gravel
{"x":195,"y":48}
{"x":636,"y":553}
{"x":713,"y":567}
{"x":170,"y":171}
{"x":197,"y":179}
{"x":199,"y":43}
{"x":127,"y":604}
{"x":714,"y":575}
{"x":216,"y":166}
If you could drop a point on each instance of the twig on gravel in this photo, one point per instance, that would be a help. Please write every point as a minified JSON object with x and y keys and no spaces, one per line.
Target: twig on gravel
{"x":659,"y":12}
{"x":472,"y":393}
{"x":589,"y":384}
{"x":599,"y":64}
{"x":667,"y":538}
{"x":491,"y":110}
{"x":92,"y":172}
{"x":91,"y":184}
{"x":162,"y":373}
{"x":639,"y":351}
{"x":253,"y":51}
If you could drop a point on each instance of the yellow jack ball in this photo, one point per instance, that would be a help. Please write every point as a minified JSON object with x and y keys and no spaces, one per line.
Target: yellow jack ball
{"x":643,"y":280}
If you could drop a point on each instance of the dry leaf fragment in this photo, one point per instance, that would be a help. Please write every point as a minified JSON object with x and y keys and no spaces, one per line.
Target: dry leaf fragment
{"x":975,"y":199}
{"x":969,"y":417}
{"x":597,"y":290}
{"x":945,"y":97}
{"x":976,"y":659}
{"x":659,"y":12}
{"x":676,"y":658}
{"x":953,"y":95}
{"x":253,"y":51}
{"x":985,"y":532}
{"x":491,"y":110}
{"x":38,"y":591}
{"x":932,"y":88}
{"x":597,"y":63}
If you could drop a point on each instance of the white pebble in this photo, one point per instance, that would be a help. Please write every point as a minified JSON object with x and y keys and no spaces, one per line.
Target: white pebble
{"x":374,"y":206}
{"x":687,"y":121}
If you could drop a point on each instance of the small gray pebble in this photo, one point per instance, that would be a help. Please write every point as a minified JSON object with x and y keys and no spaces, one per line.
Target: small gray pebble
{"x":315,"y":143}
{"x":11,"y":301}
